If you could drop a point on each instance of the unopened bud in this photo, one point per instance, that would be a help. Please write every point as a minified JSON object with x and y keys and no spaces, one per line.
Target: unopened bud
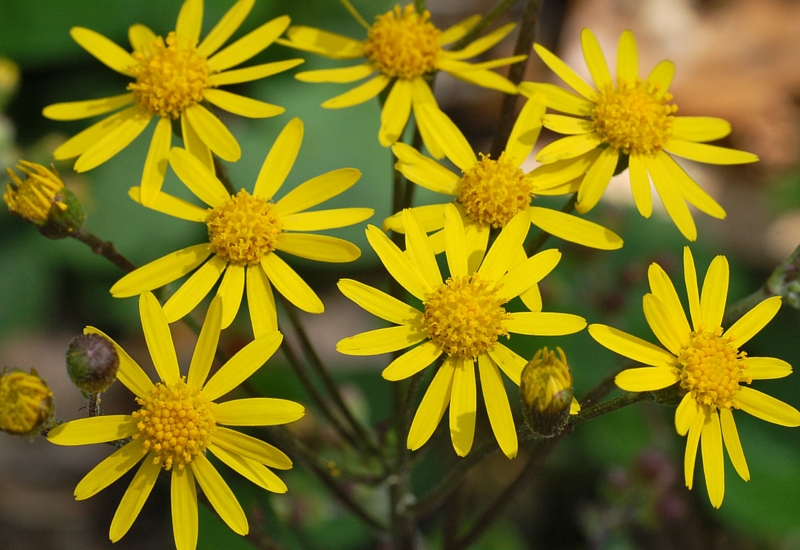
{"x":42,"y":200}
{"x":26,"y":402}
{"x":546,"y":393}
{"x":92,"y":363}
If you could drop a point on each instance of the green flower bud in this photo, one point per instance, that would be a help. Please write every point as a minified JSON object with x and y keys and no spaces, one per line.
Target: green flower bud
{"x":26,"y":402}
{"x":92,"y":363}
{"x":546,"y":393}
{"x":43,"y":201}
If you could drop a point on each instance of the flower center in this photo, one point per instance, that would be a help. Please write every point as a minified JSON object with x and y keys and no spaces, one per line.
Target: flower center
{"x":711,"y":369}
{"x":244,"y":229}
{"x":464,"y":316}
{"x":176,"y":422}
{"x":169,"y":77}
{"x":403,"y":43}
{"x":633,"y":120}
{"x":494,"y":191}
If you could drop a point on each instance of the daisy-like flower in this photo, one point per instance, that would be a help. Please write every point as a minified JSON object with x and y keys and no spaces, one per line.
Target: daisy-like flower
{"x":244,"y":231}
{"x":404,"y":48}
{"x":707,"y":363}
{"x":462,"y":320}
{"x":173,"y":77}
{"x":633,"y":119}
{"x":179,"y":422}
{"x":489,"y":192}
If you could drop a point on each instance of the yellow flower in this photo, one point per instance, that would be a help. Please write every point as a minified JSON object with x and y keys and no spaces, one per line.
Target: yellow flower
{"x":173,"y":77}
{"x":404,"y":48}
{"x":707,"y":363}
{"x":26,"y":402}
{"x":633,"y":119}
{"x":463,"y":319}
{"x":489,"y":193}
{"x":179,"y":422}
{"x":244,"y":231}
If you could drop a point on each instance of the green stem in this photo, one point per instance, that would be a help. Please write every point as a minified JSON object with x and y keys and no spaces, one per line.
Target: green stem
{"x":365,"y":440}
{"x":590,"y":413}
{"x":488,"y":19}
{"x":538,"y":242}
{"x":104,"y":248}
{"x":527,"y":33}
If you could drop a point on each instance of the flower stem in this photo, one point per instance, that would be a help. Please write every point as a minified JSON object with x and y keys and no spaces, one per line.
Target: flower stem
{"x":104,"y":248}
{"x":527,"y":33}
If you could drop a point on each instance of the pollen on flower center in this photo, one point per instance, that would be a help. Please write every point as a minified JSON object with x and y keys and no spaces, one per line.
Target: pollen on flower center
{"x":464,"y":316}
{"x":176,"y":422}
{"x":244,"y":229}
{"x":494,"y":191}
{"x":169,"y":76}
{"x":711,"y":369}
{"x":633,"y":120}
{"x":401,"y":43}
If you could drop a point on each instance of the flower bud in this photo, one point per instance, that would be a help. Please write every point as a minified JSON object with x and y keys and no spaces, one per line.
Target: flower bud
{"x":43,"y":201}
{"x":26,"y":402}
{"x":92,"y":363}
{"x":546,"y":393}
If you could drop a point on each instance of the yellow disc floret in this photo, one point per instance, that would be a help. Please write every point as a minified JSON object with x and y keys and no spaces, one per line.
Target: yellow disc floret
{"x":464,"y":316}
{"x":26,"y":402}
{"x":633,"y":119}
{"x":176,"y":422}
{"x":244,"y":229}
{"x":711,"y":369}
{"x":494,"y":191}
{"x":402,"y":43}
{"x":169,"y":76}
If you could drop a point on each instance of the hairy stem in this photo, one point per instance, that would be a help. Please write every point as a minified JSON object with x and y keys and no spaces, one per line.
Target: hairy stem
{"x":104,"y":248}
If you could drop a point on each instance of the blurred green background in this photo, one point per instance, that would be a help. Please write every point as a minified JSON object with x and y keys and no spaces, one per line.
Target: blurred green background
{"x":616,"y":483}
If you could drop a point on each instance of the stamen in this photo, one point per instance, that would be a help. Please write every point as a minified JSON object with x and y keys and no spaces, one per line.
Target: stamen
{"x":711,"y":369}
{"x":494,"y":191}
{"x":244,"y":229}
{"x":402,"y":43}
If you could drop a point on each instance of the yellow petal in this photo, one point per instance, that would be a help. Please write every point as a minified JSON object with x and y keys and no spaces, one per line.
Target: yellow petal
{"x":110,"y":469}
{"x":411,"y":362}
{"x":458,"y":31}
{"x":128,"y":129}
{"x":158,"y":338}
{"x":661,"y":77}
{"x":501,"y":254}
{"x":421,"y":94}
{"x":596,"y":180}
{"x":482,"y":44}
{"x":640,"y":185}
{"x":258,"y":411}
{"x":190,"y":19}
{"x":711,"y":154}
{"x":753,"y":321}
{"x":340,"y":75}
{"x":249,"y":45}
{"x":289,"y":283}
{"x":397,"y":263}
{"x":562,"y":172}
{"x":95,"y":133}
{"x":335,"y":46}
{"x":200,"y":181}
{"x":700,"y":128}
{"x":240,"y":105}
{"x":231,"y":290}
{"x":661,"y":325}
{"x":195,"y":145}
{"x":359,"y":94}
{"x":532,"y":298}
{"x":455,"y":246}
{"x":206,"y":346}
{"x":76,"y":110}
{"x":662,"y":286}
{"x":140,"y":36}
{"x":134,"y":498}
{"x":260,"y":301}
{"x":419,"y":250}
{"x":631,"y":346}
{"x":693,"y":193}
{"x":569,"y":148}
{"x":463,"y":407}
{"x":129,"y":373}
{"x":508,"y":361}
{"x":382,"y":340}
{"x":430,"y":218}
{"x":565,"y":73}
{"x":155,"y":165}
{"x":250,"y":469}
{"x":325,"y":219}
{"x":255,"y":72}
{"x":219,"y":494}
{"x":731,"y":437}
{"x":714,"y":294}
{"x":317,"y":190}
{"x":425,"y":171}
{"x":321,"y":248}
{"x":767,"y":408}
{"x":239,"y":367}
{"x":595,"y":60}
{"x":431,"y":409}
{"x":687,"y":414}
{"x":691,"y":447}
{"x":528,"y":273}
{"x":213,"y":132}
{"x":250,"y":447}
{"x":713,"y":460}
{"x":526,"y":130}
{"x":183,"y":496}
{"x":97,"y":429}
{"x":766,"y":368}
{"x":568,"y":124}
{"x":536,"y":323}
{"x":477,"y":239}
{"x":558,"y":98}
{"x":449,"y":137}
{"x":106,"y":51}
{"x":162,"y":271}
{"x":477,"y":76}
{"x":497,"y":406}
{"x":379,"y":303}
{"x":627,"y":59}
{"x":194,"y":289}
{"x":690,"y":278}
{"x":574,"y":229}
{"x":671,"y":197}
{"x":280,"y":160}
{"x":395,"y":113}
{"x":225,"y":28}
{"x":646,"y":378}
